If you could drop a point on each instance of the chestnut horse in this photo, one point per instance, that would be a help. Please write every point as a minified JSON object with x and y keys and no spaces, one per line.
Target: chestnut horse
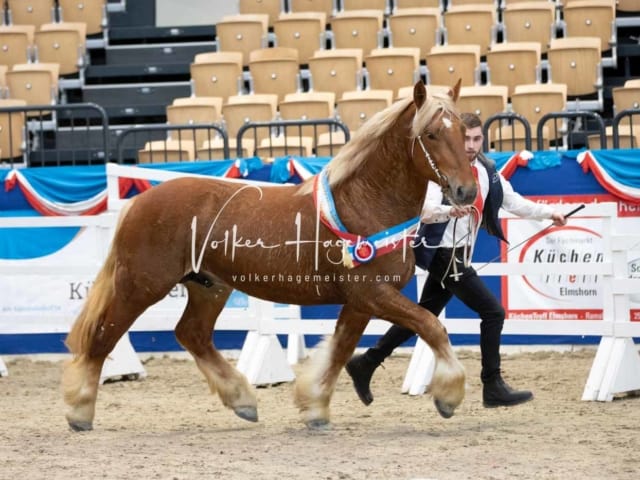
{"x":278,"y":243}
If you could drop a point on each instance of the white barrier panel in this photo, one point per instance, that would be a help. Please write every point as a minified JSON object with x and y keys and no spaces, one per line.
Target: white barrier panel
{"x":616,"y":367}
{"x":3,"y":369}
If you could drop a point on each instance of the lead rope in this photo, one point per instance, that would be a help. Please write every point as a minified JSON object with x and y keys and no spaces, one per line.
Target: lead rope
{"x":468,"y":247}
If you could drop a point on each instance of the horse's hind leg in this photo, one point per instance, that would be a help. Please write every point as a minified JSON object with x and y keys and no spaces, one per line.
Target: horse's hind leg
{"x":194,"y":333}
{"x":315,"y":386}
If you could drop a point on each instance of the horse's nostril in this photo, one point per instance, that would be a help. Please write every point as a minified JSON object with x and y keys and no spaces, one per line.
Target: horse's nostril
{"x":466,"y":195}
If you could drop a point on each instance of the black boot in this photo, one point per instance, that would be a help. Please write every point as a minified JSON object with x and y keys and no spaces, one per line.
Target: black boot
{"x":360,"y":368}
{"x":496,"y":393}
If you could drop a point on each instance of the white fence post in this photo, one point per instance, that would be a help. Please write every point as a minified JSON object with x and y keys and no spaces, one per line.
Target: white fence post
{"x":262,"y":359}
{"x":3,"y":369}
{"x":616,"y":366}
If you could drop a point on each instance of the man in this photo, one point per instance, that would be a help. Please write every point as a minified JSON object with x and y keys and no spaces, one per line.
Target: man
{"x":448,"y":274}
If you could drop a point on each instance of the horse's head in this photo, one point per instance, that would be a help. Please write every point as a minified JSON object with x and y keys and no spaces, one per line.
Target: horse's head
{"x":438,"y":150}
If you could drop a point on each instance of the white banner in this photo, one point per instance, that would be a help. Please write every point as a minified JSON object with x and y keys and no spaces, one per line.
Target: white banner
{"x":49,"y":300}
{"x":561,"y":296}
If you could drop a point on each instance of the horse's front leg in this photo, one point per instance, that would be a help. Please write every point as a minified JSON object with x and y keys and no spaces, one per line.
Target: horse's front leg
{"x":315,"y":385}
{"x":448,"y":381}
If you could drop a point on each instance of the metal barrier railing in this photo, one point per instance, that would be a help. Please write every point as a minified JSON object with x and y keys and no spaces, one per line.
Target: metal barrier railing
{"x":508,"y":120}
{"x":169,"y":143}
{"x":53,"y":135}
{"x":633,"y":132}
{"x":286,"y":130}
{"x":575,"y":129}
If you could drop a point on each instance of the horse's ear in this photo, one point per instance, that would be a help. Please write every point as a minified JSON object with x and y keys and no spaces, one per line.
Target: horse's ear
{"x":454,"y":93}
{"x":419,"y":94}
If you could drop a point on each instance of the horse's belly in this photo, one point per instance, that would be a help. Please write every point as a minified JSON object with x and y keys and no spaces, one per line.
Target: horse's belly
{"x":291,"y":288}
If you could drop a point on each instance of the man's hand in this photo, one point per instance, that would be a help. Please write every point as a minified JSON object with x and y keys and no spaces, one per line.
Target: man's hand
{"x":458,"y":212}
{"x":558,"y":219}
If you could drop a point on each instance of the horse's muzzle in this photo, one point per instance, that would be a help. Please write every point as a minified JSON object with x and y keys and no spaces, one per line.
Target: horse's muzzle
{"x":463,"y":195}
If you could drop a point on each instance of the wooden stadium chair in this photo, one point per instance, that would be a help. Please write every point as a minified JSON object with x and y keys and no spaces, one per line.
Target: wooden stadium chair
{"x":336,"y":70}
{"x":241,"y":109}
{"x":625,"y":98}
{"x":308,"y":106}
{"x":356,"y":107}
{"x":628,"y":6}
{"x":329,"y":144}
{"x":31,"y":12}
{"x":361,"y":29}
{"x":382,"y":5}
{"x":275,"y":70}
{"x":415,"y":27}
{"x":283,"y":145}
{"x":12,"y":129}
{"x":448,"y":63}
{"x":529,"y":21}
{"x":242,"y":33}
{"x":3,"y":78}
{"x":576,"y":62}
{"x":271,"y":8}
{"x":593,"y":18}
{"x":63,"y":43}
{"x":194,"y":111}
{"x":404,"y":92}
{"x":484,"y":101}
{"x":16,"y":44}
{"x":454,"y":3}
{"x":208,"y":102}
{"x":628,"y":137}
{"x":402,"y":4}
{"x":514,"y":63}
{"x":392,"y":68}
{"x":35,"y":83}
{"x":214,"y":149}
{"x":217,"y":74}
{"x":471,"y":24}
{"x":163,"y":151}
{"x":328,"y":7}
{"x":303,"y":31}
{"x":535,"y":100}
{"x":93,"y":13}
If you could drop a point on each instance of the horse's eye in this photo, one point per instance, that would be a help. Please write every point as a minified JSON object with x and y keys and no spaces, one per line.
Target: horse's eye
{"x":430,"y":135}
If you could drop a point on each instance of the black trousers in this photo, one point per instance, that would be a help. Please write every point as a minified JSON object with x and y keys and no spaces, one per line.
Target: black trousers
{"x":472,"y":291}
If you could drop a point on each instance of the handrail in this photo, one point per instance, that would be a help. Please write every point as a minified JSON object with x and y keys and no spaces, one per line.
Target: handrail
{"x":38,"y":143}
{"x":629,"y":112}
{"x":578,"y":114}
{"x":165,"y":128}
{"x":282,"y":126}
{"x":507,"y":116}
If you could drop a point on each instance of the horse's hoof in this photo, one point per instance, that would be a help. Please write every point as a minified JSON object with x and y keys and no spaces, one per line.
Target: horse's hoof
{"x":318,"y":424}
{"x":445,"y":410}
{"x":81,"y":426}
{"x":247,"y":413}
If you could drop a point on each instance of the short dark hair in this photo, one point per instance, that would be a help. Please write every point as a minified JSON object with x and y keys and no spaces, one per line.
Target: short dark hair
{"x":470,"y":120}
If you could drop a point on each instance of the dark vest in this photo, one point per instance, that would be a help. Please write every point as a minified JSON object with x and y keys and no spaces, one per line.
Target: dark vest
{"x":431,"y":233}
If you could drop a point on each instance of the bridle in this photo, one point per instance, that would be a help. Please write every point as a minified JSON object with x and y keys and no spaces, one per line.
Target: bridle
{"x":443,"y":181}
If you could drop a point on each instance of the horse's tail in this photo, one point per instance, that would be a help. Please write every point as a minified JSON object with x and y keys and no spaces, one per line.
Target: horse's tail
{"x":100,"y":295}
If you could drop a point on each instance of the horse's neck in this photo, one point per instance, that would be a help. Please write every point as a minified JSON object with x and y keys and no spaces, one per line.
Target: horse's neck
{"x":385,"y":191}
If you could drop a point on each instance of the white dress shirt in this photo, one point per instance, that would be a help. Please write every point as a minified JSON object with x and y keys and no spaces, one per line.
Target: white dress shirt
{"x":434,"y":211}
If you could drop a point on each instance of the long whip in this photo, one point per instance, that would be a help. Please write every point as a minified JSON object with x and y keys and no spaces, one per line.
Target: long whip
{"x":572,"y":212}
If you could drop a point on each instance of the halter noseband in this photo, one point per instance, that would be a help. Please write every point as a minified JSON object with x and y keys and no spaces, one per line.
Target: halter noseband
{"x":442,"y":178}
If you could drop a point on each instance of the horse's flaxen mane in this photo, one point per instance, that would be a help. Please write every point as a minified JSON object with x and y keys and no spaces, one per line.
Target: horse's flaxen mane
{"x":365,"y":141}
